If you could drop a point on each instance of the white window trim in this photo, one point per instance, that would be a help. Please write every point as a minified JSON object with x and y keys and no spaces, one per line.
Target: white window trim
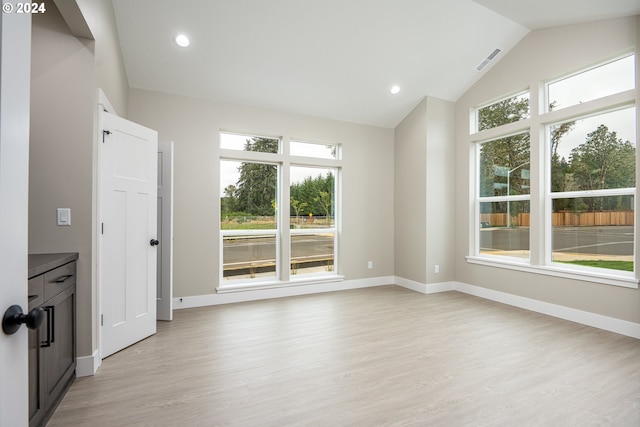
{"x":284,"y":161}
{"x":537,"y":125}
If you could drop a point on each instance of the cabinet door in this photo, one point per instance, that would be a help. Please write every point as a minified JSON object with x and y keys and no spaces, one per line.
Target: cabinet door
{"x":60,"y":356}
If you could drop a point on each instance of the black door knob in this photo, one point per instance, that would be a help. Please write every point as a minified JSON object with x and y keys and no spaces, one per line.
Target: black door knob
{"x":14,"y":317}
{"x":154,"y":242}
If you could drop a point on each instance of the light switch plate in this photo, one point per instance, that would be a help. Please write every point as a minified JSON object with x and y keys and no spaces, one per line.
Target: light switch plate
{"x":64,"y":216}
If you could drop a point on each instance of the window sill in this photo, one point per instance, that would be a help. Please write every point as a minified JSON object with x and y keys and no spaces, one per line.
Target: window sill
{"x":275,"y":284}
{"x":626,"y":281}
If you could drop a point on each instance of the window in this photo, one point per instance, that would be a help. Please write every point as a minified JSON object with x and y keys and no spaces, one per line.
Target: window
{"x":593,"y":179}
{"x":312,"y":220}
{"x":582,"y":188}
{"x":502,"y":112}
{"x":608,"y":79}
{"x":248,"y":219}
{"x":272,"y":233}
{"x":233,"y":141}
{"x":308,"y":149}
{"x":504,"y":196}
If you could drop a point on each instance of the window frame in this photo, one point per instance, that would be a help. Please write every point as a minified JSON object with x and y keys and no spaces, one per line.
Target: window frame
{"x":284,"y":161}
{"x":538,"y":124}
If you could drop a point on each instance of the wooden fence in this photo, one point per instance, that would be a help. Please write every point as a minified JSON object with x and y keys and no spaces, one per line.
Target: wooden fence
{"x":572,"y":219}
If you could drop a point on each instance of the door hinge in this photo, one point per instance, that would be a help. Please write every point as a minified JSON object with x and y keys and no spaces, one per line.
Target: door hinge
{"x":102,"y":320}
{"x":105,"y":132}
{"x":102,"y":228}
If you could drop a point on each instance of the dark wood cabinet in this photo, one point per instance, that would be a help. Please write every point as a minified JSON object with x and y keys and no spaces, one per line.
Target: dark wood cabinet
{"x":52,"y":347}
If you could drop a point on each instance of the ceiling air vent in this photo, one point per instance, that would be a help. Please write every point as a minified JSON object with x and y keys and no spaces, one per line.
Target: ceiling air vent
{"x":489,"y":58}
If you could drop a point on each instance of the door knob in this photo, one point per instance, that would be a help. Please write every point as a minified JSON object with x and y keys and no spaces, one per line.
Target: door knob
{"x":154,"y":242}
{"x":14,"y":317}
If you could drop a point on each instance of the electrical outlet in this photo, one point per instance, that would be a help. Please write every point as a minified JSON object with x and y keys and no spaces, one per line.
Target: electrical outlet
{"x":437,"y":269}
{"x":370,"y":264}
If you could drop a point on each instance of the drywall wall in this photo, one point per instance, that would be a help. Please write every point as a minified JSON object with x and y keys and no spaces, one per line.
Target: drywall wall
{"x":66,"y":72}
{"x":424,"y":183}
{"x":61,"y":152}
{"x":410,"y":195}
{"x":540,"y":56}
{"x":440,"y":190}
{"x":194,"y":126}
{"x":111,"y":76}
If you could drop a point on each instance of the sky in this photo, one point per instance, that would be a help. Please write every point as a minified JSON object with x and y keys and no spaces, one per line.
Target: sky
{"x":614,"y":77}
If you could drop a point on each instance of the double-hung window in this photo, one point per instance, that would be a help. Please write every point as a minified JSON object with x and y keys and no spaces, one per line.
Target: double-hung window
{"x":575,"y":198}
{"x":279,"y":211}
{"x":504,"y":181}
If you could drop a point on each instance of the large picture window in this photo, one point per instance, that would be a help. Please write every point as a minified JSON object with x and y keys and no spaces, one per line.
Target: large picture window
{"x":278,"y":219}
{"x":570,"y":208}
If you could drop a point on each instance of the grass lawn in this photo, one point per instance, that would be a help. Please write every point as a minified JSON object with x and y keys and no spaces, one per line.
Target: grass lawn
{"x":613,"y":265}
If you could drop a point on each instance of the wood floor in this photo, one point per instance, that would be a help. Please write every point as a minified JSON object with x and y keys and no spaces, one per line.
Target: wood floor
{"x":381,"y":356}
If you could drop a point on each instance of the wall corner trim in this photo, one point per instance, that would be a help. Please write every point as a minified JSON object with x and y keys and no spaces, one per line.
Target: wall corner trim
{"x":88,"y":365}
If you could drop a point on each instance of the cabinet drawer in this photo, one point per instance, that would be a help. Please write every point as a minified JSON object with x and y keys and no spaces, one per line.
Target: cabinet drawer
{"x":36,"y":291}
{"x":56,"y":281}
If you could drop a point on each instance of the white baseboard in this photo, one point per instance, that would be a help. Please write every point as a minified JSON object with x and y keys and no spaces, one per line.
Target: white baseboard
{"x":424,"y":288}
{"x":88,"y":365}
{"x":260,"y":294}
{"x":606,"y":323}
{"x":599,"y":321}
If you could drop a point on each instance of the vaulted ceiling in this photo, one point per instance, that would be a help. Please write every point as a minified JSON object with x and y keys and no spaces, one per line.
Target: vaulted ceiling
{"x":334,"y":59}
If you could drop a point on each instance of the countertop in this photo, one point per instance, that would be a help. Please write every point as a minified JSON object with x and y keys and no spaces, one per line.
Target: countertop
{"x":41,"y":263}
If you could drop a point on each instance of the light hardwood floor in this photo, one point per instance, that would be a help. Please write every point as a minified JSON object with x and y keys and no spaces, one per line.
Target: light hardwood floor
{"x":381,"y":356}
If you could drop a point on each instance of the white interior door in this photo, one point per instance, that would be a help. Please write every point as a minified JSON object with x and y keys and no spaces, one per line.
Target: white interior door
{"x":165,"y":231}
{"x":15,"y":59}
{"x":128,"y":217}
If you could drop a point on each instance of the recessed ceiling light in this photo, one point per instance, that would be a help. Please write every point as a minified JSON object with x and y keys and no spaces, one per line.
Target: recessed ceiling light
{"x":394,"y":89}
{"x":182,"y":40}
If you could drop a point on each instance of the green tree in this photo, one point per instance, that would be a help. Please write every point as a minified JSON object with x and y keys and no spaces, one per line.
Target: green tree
{"x":229,"y":203}
{"x":297,"y":206}
{"x":503,"y":112}
{"x":308,"y":193}
{"x":603,"y":161}
{"x":325,"y":201}
{"x":256,"y":187}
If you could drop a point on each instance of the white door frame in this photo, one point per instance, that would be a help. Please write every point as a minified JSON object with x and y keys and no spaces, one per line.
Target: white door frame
{"x":15,"y":86}
{"x":165,"y":230}
{"x":103,"y":105}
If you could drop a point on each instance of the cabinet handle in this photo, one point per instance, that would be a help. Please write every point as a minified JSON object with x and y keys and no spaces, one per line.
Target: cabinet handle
{"x":63,"y":279}
{"x":50,"y":321}
{"x":53,"y":323}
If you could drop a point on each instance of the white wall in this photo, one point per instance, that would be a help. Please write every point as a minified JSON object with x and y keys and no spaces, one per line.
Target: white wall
{"x":441,"y":172}
{"x":540,"y":56}
{"x":66,"y":73}
{"x":111,"y":76}
{"x":410,"y":195}
{"x":194,"y":124}
{"x":61,"y":152}
{"x":424,"y":173}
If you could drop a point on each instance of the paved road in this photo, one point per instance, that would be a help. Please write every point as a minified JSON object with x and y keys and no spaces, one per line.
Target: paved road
{"x":263,"y":248}
{"x":586,"y":240}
